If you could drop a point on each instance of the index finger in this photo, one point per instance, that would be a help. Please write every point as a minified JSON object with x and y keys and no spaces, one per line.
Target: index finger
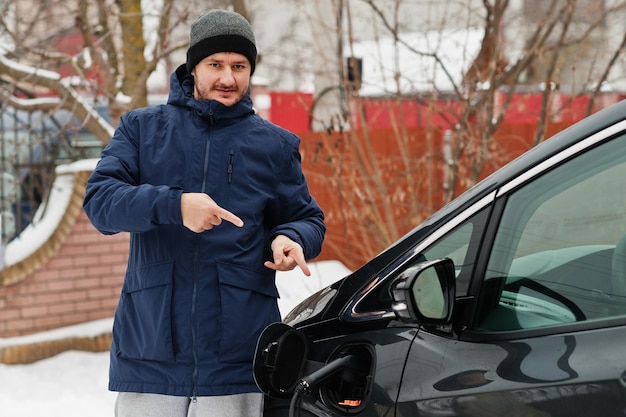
{"x":301,"y":262}
{"x":230,"y":217}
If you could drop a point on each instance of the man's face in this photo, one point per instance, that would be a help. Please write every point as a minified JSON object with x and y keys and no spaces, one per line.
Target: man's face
{"x":224,"y":76}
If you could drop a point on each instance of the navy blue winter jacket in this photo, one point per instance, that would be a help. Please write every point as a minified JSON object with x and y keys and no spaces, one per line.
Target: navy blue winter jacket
{"x":193,"y":304}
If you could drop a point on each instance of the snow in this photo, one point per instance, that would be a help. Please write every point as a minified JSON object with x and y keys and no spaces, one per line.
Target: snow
{"x":123,"y":98}
{"x":90,"y":329}
{"x":294,"y":286}
{"x":30,"y":70}
{"x":69,"y":384}
{"x":74,"y":384}
{"x":91,"y":111}
{"x":34,"y":102}
{"x":38,"y":232}
{"x":42,"y":227}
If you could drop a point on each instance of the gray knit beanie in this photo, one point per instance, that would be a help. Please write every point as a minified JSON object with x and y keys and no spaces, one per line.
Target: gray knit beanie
{"x":220,"y":31}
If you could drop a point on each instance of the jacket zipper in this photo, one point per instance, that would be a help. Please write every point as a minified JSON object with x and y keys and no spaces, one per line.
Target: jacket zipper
{"x":194,"y":294}
{"x":230,"y":167}
{"x":206,"y":157}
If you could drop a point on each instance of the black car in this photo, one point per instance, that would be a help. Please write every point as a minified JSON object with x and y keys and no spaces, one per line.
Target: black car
{"x":509,"y":301}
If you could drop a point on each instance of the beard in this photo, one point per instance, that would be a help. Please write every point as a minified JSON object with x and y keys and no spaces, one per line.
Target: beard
{"x":228,"y":96}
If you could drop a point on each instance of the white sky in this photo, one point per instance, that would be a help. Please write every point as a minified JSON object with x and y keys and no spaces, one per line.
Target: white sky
{"x":420,"y":72}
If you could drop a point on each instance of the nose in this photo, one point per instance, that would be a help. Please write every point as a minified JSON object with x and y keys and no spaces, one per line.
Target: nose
{"x":227,"y":77}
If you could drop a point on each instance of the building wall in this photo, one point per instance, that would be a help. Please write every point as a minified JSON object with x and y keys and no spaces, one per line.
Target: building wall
{"x":73,"y":279}
{"x":78,"y":284}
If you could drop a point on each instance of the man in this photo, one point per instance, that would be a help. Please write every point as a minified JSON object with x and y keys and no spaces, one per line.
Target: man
{"x":215,"y":202}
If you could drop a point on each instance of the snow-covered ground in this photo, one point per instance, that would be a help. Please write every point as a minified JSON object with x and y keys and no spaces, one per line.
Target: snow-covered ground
{"x":69,"y":384}
{"x":74,"y":384}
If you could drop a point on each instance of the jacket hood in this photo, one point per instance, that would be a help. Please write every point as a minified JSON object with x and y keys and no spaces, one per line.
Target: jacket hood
{"x":181,"y":94}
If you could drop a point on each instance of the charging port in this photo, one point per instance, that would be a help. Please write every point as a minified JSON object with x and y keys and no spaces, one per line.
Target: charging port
{"x":348,"y":390}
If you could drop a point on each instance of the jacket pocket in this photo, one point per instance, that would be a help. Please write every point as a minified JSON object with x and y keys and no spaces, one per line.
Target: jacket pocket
{"x":145,"y":316}
{"x":248,"y":303}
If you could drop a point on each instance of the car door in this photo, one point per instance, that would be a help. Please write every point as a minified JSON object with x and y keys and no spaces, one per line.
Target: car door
{"x":541,"y":329}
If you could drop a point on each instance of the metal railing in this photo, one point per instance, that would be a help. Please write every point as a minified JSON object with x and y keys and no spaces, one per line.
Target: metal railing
{"x":32,"y":144}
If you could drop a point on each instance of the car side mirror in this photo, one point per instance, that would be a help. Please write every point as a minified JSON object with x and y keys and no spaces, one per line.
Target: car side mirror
{"x":425,"y":293}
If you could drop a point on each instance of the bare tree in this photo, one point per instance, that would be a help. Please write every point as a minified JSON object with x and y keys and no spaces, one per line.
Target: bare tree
{"x":380,"y":186}
{"x":564,"y":48}
{"x":121,"y":46}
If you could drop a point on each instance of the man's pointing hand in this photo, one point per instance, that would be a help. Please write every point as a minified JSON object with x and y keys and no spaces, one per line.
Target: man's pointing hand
{"x":201,"y":213}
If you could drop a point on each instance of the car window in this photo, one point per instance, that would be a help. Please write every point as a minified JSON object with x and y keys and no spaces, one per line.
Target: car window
{"x":457,"y":246}
{"x":461,"y":245}
{"x":559,"y":253}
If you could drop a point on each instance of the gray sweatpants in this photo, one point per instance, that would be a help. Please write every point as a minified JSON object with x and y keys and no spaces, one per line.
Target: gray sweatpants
{"x":131,"y":404}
